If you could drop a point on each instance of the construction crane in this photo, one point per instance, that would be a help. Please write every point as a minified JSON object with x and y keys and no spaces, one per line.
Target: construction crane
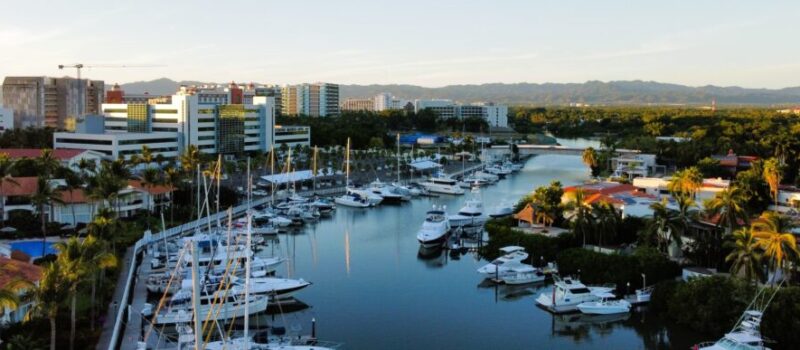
{"x":79,"y":66}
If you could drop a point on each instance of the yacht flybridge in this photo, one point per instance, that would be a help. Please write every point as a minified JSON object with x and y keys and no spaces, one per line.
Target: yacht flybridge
{"x":471,"y":214}
{"x":512,"y":256}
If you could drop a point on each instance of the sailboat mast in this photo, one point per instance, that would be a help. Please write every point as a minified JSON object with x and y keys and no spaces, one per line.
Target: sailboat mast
{"x":249,"y":188}
{"x":347,"y":165}
{"x":398,"y":158}
{"x":247,"y":283}
{"x":196,"y":296}
{"x":218,"y":175}
{"x":272,"y":171}
{"x":314,"y":171}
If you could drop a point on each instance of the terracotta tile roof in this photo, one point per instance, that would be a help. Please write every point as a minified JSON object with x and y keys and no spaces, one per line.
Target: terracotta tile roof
{"x":24,"y":186}
{"x":154,"y":190}
{"x":600,"y":197}
{"x":526,"y":214}
{"x":606,"y":188}
{"x":61,"y":154}
{"x":13,"y":269}
{"x":73,"y":196}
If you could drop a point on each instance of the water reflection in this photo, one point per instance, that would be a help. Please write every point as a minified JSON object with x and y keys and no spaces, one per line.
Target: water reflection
{"x":433,"y":257}
{"x":509,"y":293}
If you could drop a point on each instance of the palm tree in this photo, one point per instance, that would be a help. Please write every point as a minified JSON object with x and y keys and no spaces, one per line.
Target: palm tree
{"x":99,"y":259}
{"x":664,"y":226}
{"x":6,"y":168}
{"x":685,"y":182}
{"x":47,"y":163}
{"x":9,"y":293}
{"x":45,"y":195}
{"x":86,"y":165}
{"x":73,"y":182}
{"x":146,"y":157}
{"x":730,"y":206}
{"x":150,"y":178}
{"x":48,"y":296}
{"x":745,"y":258}
{"x":772,"y":236}
{"x":607,"y":219}
{"x":190,"y":160}
{"x":589,"y":158}
{"x":172,"y":178}
{"x":773,"y":174}
{"x":580,"y":214}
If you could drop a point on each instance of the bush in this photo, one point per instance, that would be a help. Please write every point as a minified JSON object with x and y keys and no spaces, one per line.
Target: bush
{"x":501,"y":234}
{"x":710,"y":304}
{"x":781,"y":322}
{"x":597,"y":268}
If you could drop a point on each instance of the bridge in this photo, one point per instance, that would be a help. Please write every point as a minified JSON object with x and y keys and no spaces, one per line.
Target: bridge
{"x":498,"y":151}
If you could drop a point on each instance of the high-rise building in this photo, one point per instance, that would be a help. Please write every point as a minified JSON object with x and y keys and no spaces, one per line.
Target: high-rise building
{"x":316,"y":100}
{"x":358,"y":104}
{"x":53,"y":102}
{"x":495,"y":115}
{"x":6,"y":118}
{"x":385,"y":101}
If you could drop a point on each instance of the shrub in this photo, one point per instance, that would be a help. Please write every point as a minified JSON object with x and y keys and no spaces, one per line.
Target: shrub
{"x":596,"y":268}
{"x":781,"y":322}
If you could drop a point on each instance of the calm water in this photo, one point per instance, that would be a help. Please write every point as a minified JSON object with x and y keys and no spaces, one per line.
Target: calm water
{"x":373,"y":288}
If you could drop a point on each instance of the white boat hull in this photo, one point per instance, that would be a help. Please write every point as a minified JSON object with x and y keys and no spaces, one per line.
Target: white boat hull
{"x":605,"y":308}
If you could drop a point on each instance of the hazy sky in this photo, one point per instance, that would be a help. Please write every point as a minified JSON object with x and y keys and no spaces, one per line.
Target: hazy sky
{"x":430,"y":43}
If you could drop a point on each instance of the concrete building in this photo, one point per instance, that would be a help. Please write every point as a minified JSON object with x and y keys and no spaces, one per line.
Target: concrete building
{"x":386,"y":101}
{"x":6,"y":119}
{"x":119,"y":144}
{"x":316,"y":100}
{"x":658,"y":187}
{"x":634,"y":165}
{"x":358,"y":104}
{"x":227,"y":121}
{"x":69,"y":158}
{"x":495,"y":115}
{"x":292,"y":135}
{"x":52,"y":102}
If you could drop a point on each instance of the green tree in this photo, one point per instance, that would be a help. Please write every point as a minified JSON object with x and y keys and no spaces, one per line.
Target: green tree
{"x":745,"y":257}
{"x":6,"y":169}
{"x":579,"y":214}
{"x":664,"y":227}
{"x":589,"y":158}
{"x":773,"y":174}
{"x":729,"y":205}
{"x":774,"y":239}
{"x":48,"y":295}
{"x":44,"y":196}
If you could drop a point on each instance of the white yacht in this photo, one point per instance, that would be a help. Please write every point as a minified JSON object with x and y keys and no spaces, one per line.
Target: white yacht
{"x":512,"y":256}
{"x":522,"y":274}
{"x":216,"y":306}
{"x":323,"y":206}
{"x":605,"y":306}
{"x":471,"y":181}
{"x":568,"y":293}
{"x":372,"y":198}
{"x":352,"y":199}
{"x":486,"y":176}
{"x":435,"y":228}
{"x":387,"y":192}
{"x":746,"y":334}
{"x":443,"y":185}
{"x":406,"y":190}
{"x":471,"y":214}
{"x":501,"y":210}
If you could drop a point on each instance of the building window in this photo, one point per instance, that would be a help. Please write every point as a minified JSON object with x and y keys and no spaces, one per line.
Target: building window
{"x":166,"y":111}
{"x":230,"y":129}
{"x":138,"y":118}
{"x":85,"y":142}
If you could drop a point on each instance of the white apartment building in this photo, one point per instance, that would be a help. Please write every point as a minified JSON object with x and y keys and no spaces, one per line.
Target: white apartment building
{"x":658,"y":187}
{"x":6,"y":119}
{"x":292,"y":136}
{"x":495,"y":115}
{"x":358,"y":104}
{"x":385,"y":101}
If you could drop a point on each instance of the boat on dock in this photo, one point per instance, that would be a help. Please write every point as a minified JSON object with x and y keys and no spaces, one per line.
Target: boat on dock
{"x":567,"y":293}
{"x":434,"y":229}
{"x":471,"y":214}
{"x":443,"y":185}
{"x":512,"y":256}
{"x":607,"y":305}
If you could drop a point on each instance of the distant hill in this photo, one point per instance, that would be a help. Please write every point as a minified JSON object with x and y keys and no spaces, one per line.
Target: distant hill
{"x":591,"y":92}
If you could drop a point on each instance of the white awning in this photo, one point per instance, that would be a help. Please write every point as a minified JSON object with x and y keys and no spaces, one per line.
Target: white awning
{"x":288,"y":177}
{"x":425,"y":165}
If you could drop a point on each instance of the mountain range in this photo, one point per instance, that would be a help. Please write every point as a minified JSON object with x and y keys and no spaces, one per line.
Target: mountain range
{"x":634,"y":92}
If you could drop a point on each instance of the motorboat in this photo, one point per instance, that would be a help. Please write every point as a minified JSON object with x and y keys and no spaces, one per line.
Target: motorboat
{"x":281,"y":221}
{"x":607,"y":305}
{"x":371,"y":197}
{"x":471,"y":181}
{"x":512,"y":255}
{"x":643,"y":295}
{"x":567,"y":293}
{"x":435,"y":228}
{"x":486,"y":176}
{"x":746,"y":334}
{"x":261,"y":340}
{"x":501,"y":211}
{"x":323,"y":206}
{"x":352,"y":199}
{"x":387,"y":192}
{"x":444,"y":185}
{"x":219,"y":305}
{"x":471,"y":214}
{"x":406,"y":190}
{"x":522,"y":274}
{"x":273,"y":286}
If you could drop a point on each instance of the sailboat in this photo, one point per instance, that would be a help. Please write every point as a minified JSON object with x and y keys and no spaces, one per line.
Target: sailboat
{"x":351,"y":198}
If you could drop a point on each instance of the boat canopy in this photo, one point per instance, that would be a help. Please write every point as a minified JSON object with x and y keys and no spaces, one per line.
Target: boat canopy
{"x":511,"y":249}
{"x":278,"y":179}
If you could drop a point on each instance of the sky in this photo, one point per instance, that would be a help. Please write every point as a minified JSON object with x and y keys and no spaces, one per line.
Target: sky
{"x":430,"y":43}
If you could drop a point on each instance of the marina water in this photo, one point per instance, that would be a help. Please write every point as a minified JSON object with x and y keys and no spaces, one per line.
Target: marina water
{"x":374,"y":287}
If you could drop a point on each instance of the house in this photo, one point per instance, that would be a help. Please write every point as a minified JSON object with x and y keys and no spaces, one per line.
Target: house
{"x":626,"y":198}
{"x":77,"y":207}
{"x":12,"y":270}
{"x":658,"y":187}
{"x":69,"y":158}
{"x":734,"y":163}
{"x":788,"y":200}
{"x":631,"y":166}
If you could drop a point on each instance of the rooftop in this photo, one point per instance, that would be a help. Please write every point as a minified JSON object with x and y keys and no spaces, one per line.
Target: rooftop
{"x":14,"y":269}
{"x":61,"y":154}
